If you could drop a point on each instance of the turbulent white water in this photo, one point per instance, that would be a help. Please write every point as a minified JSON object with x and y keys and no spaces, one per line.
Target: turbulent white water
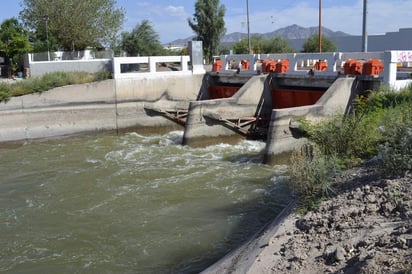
{"x":131,"y":203}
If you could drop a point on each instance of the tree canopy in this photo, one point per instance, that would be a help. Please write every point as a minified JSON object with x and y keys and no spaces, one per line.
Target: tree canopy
{"x":72,"y":24}
{"x":260,"y":45}
{"x":209,"y":25}
{"x":13,"y":40}
{"x":141,"y":41}
{"x":312,"y":44}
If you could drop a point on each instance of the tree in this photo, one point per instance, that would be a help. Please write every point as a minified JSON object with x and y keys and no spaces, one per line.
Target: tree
{"x":73,"y":24}
{"x":141,"y":41}
{"x":260,"y":45}
{"x":13,"y":41}
{"x":312,"y":44}
{"x":209,"y":25}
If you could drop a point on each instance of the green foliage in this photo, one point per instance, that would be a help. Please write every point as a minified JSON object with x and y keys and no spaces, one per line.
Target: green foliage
{"x":209,"y":25}
{"x":261,"y":45}
{"x":312,"y":44}
{"x":13,"y":41}
{"x":379,"y":125}
{"x":142,"y":41}
{"x":395,"y":153}
{"x":4,"y":92}
{"x":311,"y":175}
{"x":72,"y":24}
{"x":49,"y":81}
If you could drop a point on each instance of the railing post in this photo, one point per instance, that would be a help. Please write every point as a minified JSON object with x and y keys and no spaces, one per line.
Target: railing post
{"x":390,"y":68}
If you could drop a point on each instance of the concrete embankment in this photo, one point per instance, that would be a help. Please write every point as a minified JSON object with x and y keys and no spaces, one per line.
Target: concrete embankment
{"x":111,"y":105}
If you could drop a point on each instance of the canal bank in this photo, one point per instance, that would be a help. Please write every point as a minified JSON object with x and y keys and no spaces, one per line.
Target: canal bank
{"x":359,"y":230}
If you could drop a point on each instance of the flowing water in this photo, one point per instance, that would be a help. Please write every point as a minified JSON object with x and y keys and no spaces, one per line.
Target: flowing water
{"x":131,"y":203}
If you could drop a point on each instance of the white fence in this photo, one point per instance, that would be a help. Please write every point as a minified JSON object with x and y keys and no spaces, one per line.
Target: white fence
{"x":138,"y":67}
{"x":300,"y":63}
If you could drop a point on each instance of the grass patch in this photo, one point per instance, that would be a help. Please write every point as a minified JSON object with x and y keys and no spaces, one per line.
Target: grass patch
{"x":49,"y":81}
{"x":379,"y":127}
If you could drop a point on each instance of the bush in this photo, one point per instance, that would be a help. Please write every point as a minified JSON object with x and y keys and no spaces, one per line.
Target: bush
{"x":4,"y":92}
{"x":380,"y":125}
{"x":311,"y":175}
{"x":395,"y":154}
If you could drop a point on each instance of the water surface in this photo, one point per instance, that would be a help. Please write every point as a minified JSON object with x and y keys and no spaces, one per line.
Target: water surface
{"x":131,"y":203}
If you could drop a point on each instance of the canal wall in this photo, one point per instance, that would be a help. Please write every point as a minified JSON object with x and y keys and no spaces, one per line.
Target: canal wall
{"x":111,"y":105}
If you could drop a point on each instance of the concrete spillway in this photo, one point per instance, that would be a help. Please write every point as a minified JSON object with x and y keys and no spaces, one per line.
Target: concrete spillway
{"x":228,"y":116}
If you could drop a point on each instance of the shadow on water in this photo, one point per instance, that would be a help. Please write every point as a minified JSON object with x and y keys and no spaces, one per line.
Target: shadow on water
{"x":255,"y":216}
{"x":251,"y":223}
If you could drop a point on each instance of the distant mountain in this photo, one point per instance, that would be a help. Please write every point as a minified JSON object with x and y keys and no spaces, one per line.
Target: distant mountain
{"x":289,"y":32}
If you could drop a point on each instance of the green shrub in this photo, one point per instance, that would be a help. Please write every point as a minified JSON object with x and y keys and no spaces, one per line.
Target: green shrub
{"x":380,"y":125}
{"x":395,"y":153}
{"x":5,"y":92}
{"x":311,"y":175}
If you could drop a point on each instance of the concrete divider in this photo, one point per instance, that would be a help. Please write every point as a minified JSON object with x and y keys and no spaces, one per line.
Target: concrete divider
{"x":282,"y":138}
{"x":205,"y":117}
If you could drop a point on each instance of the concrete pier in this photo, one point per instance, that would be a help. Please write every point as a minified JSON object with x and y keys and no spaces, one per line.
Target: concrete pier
{"x":218,"y":118}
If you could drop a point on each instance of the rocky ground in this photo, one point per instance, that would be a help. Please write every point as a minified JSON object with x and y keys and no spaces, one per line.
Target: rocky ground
{"x":365,"y":228}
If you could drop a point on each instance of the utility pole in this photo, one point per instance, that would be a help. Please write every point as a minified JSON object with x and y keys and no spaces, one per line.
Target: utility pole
{"x":364,"y":27}
{"x":46,"y":18}
{"x":320,"y":25}
{"x":248,"y":28}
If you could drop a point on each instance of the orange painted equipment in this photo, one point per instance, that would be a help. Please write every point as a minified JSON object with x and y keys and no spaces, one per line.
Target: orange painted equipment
{"x":217,"y":66}
{"x":268,"y":66}
{"x":372,"y":67}
{"x":321,"y":65}
{"x":286,"y":98}
{"x":282,"y":66}
{"x":352,"y":67}
{"x":245,"y":64}
{"x":218,"y":92}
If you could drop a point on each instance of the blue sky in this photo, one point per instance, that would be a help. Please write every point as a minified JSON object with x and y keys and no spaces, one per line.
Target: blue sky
{"x":169,"y":17}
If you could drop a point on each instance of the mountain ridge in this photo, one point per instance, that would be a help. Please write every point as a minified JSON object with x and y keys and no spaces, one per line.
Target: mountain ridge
{"x":290,"y":32}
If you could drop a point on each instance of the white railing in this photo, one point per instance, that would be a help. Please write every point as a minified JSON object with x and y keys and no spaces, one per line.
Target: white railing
{"x":301,"y":63}
{"x":138,"y":67}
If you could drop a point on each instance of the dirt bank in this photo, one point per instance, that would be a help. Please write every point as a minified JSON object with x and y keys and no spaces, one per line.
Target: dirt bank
{"x":365,"y":228}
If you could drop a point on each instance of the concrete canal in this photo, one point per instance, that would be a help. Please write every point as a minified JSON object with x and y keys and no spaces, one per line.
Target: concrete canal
{"x":131,"y":203}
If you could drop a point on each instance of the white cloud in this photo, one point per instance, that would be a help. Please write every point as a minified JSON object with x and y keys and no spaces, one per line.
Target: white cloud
{"x":176,"y":11}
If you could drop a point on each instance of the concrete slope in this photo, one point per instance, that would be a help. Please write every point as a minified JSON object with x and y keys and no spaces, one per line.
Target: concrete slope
{"x":205,"y":118}
{"x":282,"y":136}
{"x":110,"y":105}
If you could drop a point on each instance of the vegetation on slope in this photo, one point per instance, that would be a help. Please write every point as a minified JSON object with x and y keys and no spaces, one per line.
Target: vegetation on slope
{"x":378,"y":130}
{"x":49,"y":81}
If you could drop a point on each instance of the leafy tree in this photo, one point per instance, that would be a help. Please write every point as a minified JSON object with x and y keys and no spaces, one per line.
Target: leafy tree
{"x":276,"y":45}
{"x":141,"y":41}
{"x":312,"y":44}
{"x":73,"y":24}
{"x":261,"y":45}
{"x":209,"y":25}
{"x":13,"y":41}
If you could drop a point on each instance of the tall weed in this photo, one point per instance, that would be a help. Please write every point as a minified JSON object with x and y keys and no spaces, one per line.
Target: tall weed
{"x":395,"y":153}
{"x":311,"y":175}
